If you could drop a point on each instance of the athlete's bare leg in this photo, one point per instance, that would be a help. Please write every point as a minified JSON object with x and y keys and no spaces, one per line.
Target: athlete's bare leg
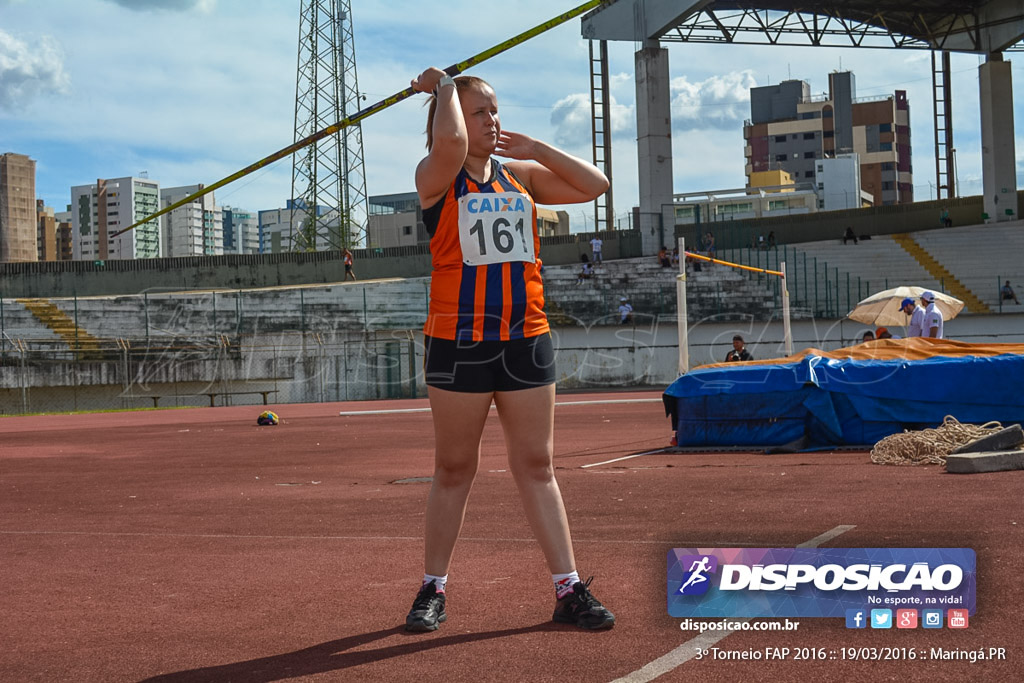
{"x":527,"y":418}
{"x":458,"y":424}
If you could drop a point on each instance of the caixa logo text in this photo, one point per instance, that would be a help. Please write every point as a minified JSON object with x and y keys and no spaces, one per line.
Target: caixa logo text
{"x":831,"y":577}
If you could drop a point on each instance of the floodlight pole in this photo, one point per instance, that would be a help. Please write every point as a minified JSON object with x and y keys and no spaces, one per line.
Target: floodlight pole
{"x":684,"y":336}
{"x":787,"y":332}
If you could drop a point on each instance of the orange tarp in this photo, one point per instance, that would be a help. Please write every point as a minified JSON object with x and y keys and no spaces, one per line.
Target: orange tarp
{"x":915,"y":348}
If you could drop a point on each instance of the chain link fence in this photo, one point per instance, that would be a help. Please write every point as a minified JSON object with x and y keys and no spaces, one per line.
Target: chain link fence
{"x":39,"y":376}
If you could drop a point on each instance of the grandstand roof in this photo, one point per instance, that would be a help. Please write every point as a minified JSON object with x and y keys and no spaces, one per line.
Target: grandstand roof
{"x":963,"y":25}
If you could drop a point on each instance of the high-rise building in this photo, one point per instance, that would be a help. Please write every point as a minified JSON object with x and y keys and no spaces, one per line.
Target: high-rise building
{"x":294,"y":229}
{"x":17,"y":208}
{"x":194,"y":229}
{"x":790,"y":130}
{"x":837,"y":182}
{"x":100,"y":211}
{"x":65,"y":249}
{"x":395,"y":220}
{"x":241,"y":231}
{"x":46,"y":232}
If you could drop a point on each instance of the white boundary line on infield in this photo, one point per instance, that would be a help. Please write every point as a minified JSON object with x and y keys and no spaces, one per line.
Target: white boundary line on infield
{"x":625,"y":457}
{"x":688,"y":650}
{"x":396,"y":411}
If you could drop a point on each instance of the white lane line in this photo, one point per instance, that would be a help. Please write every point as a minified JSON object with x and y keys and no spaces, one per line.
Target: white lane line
{"x":625,"y":457}
{"x":395,"y":411}
{"x":612,"y":401}
{"x":688,"y":650}
{"x":827,"y":536}
{"x":385,"y":412}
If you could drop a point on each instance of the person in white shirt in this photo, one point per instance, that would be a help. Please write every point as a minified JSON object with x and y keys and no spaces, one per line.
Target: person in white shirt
{"x":625,"y":311}
{"x":585,"y":273}
{"x":595,"y":246}
{"x":916,"y":326}
{"x":932,"y":326}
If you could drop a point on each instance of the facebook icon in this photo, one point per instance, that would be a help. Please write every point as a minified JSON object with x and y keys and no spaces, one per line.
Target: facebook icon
{"x":856,"y":618}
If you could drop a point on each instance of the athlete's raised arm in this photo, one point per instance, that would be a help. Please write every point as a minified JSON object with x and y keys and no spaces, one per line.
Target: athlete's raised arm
{"x":447,"y":143}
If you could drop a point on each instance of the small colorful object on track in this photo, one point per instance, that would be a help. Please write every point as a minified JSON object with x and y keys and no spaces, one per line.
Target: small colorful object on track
{"x":268,"y":417}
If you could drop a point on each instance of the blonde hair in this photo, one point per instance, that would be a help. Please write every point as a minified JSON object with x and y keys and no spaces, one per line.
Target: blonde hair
{"x":462,"y":83}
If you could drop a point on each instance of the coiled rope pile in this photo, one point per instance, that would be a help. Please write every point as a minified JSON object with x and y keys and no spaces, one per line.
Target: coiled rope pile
{"x":929,"y":446}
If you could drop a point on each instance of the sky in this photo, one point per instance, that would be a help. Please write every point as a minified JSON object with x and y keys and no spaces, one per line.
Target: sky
{"x":191,"y":91}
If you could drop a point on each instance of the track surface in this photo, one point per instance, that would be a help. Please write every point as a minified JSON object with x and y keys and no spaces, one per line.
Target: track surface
{"x":192,"y":545}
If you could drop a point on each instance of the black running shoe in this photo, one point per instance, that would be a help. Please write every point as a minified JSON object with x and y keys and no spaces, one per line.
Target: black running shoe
{"x":583,"y":609}
{"x":427,"y":610}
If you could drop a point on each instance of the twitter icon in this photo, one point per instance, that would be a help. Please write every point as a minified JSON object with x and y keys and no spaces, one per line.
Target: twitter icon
{"x":881,"y":618}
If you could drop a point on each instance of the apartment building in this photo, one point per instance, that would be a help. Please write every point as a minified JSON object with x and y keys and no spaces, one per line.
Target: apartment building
{"x":194,"y":229}
{"x":100,"y":212}
{"x":241,"y":231}
{"x":17,"y":208}
{"x":791,"y":130}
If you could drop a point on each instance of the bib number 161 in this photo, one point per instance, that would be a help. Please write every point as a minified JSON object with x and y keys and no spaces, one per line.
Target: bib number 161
{"x":496,"y":228}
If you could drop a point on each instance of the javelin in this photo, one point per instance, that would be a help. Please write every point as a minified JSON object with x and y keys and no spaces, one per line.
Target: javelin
{"x":453,"y":70}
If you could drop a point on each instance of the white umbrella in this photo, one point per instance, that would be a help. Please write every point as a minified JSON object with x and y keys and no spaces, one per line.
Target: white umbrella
{"x":883,"y":308}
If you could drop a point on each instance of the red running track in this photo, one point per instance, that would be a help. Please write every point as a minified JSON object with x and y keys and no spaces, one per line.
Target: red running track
{"x":192,"y":545}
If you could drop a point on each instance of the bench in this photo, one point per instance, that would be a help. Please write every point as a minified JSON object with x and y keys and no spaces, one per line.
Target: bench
{"x":262,"y":392}
{"x":212,"y":395}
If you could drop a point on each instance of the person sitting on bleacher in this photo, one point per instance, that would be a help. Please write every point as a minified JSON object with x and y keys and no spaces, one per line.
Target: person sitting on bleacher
{"x":1007,"y":293}
{"x":586,"y":272}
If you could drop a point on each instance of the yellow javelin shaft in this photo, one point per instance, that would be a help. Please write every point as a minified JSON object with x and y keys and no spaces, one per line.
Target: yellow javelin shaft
{"x":453,"y":70}
{"x":689,"y":254}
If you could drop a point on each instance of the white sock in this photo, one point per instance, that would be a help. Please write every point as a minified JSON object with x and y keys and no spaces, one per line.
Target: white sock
{"x":439,"y":581}
{"x":564,"y":583}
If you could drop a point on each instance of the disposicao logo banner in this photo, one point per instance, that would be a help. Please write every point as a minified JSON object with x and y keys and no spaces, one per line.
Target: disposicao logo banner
{"x":816,"y":582}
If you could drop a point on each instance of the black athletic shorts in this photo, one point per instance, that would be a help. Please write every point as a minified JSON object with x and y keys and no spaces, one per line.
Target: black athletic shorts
{"x":482,"y":367}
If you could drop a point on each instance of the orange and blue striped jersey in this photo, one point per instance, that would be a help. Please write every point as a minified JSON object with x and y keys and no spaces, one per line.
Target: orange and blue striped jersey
{"x":486,"y":283}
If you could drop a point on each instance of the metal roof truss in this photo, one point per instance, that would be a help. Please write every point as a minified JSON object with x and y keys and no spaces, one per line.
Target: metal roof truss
{"x":831,"y":27}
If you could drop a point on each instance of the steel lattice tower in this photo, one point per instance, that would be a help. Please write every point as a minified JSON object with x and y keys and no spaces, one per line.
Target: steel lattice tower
{"x":328,"y":174}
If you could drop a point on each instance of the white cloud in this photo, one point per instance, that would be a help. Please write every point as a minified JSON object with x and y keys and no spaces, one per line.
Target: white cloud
{"x":27,"y":71}
{"x":570,"y":117}
{"x":167,"y":5}
{"x":718,"y":102}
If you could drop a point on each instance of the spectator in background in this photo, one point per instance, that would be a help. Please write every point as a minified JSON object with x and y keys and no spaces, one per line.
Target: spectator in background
{"x":694,"y":262}
{"x":932,"y":326}
{"x":675,"y":256}
{"x":762,"y":243}
{"x":883,"y":333}
{"x":868,"y":336}
{"x":739,"y":351}
{"x":710,"y":245}
{"x":625,"y":311}
{"x":849,"y":235}
{"x":663,"y":258}
{"x":586,"y":271}
{"x":771,"y":239}
{"x":347,"y":255}
{"x":944,"y":218}
{"x":916,"y":314}
{"x":1007,"y":293}
{"x":595,"y":247}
